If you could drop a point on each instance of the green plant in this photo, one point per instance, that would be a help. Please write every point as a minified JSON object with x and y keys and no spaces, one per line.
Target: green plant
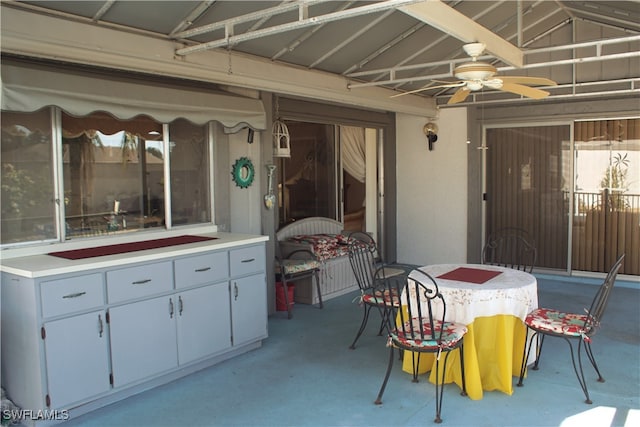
{"x":614,"y":181}
{"x":23,"y":191}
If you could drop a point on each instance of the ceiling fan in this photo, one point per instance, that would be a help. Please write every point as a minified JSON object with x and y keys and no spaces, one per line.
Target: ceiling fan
{"x":476,"y":75}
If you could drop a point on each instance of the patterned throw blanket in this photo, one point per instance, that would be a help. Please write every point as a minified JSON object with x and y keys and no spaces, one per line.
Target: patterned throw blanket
{"x":325,"y":246}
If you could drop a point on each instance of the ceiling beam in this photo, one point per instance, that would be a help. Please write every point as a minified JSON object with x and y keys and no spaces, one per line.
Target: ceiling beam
{"x":302,"y":22}
{"x":450,"y":21}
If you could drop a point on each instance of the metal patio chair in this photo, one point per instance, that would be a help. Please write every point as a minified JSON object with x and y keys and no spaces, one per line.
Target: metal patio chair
{"x":419,"y":327}
{"x":569,"y":326}
{"x":510,"y":247}
{"x":365,"y":260}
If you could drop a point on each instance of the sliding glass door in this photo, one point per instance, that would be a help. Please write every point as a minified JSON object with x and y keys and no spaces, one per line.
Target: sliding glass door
{"x":580,"y":200}
{"x":332,"y":172}
{"x":606,"y":219}
{"x":528,"y":178}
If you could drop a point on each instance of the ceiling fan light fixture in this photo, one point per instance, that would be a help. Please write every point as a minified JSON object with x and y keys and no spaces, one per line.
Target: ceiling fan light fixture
{"x":474,"y":85}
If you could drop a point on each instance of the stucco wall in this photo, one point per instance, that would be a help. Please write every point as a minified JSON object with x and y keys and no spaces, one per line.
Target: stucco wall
{"x":432,"y":189}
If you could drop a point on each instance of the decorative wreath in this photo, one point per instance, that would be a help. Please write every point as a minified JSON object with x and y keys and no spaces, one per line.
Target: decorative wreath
{"x":243,"y":172}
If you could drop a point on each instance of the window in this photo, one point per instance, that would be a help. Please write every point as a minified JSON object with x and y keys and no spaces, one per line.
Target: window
{"x":112,"y":175}
{"x":190,"y":177}
{"x":27,"y":178}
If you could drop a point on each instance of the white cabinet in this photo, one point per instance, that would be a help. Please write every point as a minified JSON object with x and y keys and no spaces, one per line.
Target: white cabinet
{"x":248,"y":294}
{"x":80,"y":340}
{"x":203,"y":322}
{"x":248,"y":308}
{"x":143,"y":339}
{"x":77,"y":359}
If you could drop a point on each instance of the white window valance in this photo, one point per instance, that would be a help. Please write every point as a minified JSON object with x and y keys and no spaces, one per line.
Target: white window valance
{"x":27,"y":89}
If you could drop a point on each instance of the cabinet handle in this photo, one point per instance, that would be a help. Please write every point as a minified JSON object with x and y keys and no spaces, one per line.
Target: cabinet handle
{"x":171,"y":308}
{"x":248,"y":260}
{"x":235,"y":290}
{"x":76,"y":295}
{"x":200,"y":270}
{"x":100,"y":325}
{"x":140,"y":282}
{"x":180,"y":305}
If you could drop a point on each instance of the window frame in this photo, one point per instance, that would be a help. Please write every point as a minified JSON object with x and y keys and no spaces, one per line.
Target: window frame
{"x":57,"y":160}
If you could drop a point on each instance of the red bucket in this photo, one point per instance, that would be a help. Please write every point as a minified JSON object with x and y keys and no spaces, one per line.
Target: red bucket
{"x":281,"y":304}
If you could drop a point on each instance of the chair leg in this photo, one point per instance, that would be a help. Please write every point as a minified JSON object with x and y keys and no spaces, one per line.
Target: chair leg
{"x":285,"y":288}
{"x":587,"y":349}
{"x":580,"y":372}
{"x":525,"y":356}
{"x":464,"y":381}
{"x":363,"y":324}
{"x":316,"y":277}
{"x":440,"y":386}
{"x":538,"y":351}
{"x":388,"y":318}
{"x":378,"y":400}
{"x":415,"y":362}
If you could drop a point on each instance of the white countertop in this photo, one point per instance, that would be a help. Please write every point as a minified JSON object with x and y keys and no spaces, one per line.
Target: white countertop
{"x":34,"y":266}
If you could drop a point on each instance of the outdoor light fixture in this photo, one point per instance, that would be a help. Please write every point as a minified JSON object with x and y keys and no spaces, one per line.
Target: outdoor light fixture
{"x":431,"y":132}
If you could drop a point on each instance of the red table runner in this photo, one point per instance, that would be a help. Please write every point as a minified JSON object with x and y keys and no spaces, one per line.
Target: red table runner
{"x":129,"y":247}
{"x":470,"y":275}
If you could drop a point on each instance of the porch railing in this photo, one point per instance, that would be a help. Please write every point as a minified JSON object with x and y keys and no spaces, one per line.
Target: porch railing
{"x":604,"y":225}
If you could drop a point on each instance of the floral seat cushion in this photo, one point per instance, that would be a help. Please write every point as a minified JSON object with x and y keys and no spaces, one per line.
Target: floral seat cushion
{"x":293,"y":266}
{"x":452,"y":333}
{"x":325,"y":246}
{"x":558,"y":322}
{"x":381,"y":297}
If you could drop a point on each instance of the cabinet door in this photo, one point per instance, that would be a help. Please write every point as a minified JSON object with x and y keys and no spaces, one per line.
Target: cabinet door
{"x":249,"y":309}
{"x":143,"y":339}
{"x":204,"y":318}
{"x":77,"y":358}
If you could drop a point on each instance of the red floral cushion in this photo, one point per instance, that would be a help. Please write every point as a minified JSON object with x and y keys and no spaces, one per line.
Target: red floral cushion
{"x":452,"y":333}
{"x":380,"y":297}
{"x":559,"y":322}
{"x":325,"y":246}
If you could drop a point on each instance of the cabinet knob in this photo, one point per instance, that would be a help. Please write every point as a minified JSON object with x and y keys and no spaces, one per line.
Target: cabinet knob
{"x":235,"y":290}
{"x":200,"y":270}
{"x":171,"y":308}
{"x":180,"y":305}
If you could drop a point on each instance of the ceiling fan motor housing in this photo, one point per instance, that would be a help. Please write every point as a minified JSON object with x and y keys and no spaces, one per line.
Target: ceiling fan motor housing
{"x":475,"y":71}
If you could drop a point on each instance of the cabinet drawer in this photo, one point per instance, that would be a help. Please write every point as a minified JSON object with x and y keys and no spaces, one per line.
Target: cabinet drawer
{"x":140,"y":281}
{"x":199,"y":269}
{"x":72,"y":294}
{"x":247,"y":260}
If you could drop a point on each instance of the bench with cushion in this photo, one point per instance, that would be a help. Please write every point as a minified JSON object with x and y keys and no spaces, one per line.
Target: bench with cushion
{"x":326,"y":239}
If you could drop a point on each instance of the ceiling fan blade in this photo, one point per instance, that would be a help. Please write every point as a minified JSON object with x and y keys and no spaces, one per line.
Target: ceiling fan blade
{"x":539,"y":81}
{"x":460,"y":95}
{"x":449,"y":84}
{"x":527,"y":91}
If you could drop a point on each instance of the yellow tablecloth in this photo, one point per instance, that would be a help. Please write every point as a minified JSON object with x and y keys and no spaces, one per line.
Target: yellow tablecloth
{"x":492,"y":356}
